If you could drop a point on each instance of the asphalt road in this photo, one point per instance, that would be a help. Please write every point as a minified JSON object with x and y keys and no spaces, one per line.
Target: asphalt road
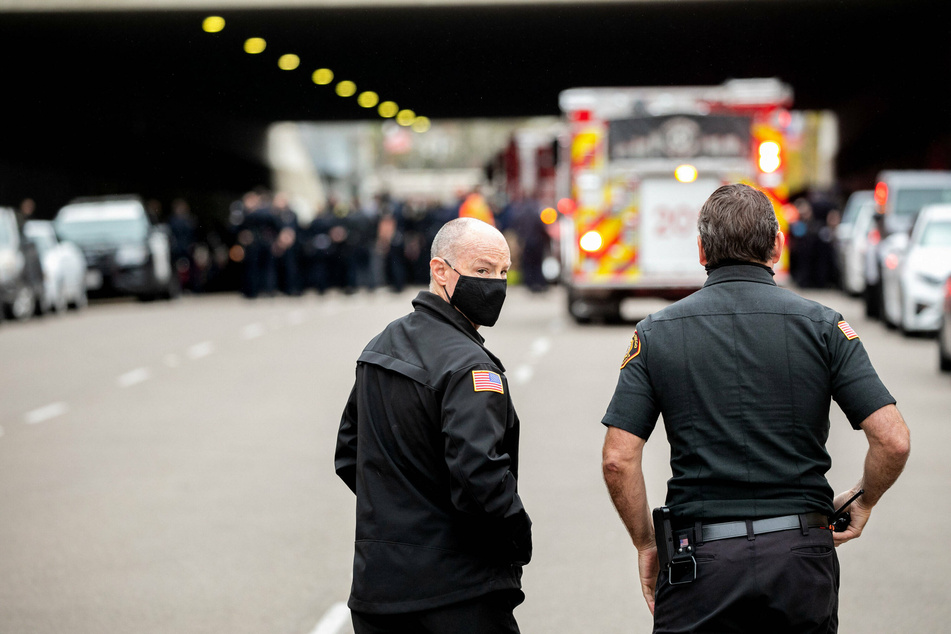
{"x":167,"y":467}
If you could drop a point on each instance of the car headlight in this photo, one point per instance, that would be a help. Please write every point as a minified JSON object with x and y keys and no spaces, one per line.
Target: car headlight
{"x":132,"y":255}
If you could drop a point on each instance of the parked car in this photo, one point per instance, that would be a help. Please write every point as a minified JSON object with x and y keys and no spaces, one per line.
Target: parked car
{"x":892,"y":251}
{"x":899,"y":196}
{"x":126,"y":252}
{"x":924,"y":265}
{"x":21,"y":274}
{"x":944,"y":334}
{"x":851,"y":241}
{"x":64,"y":267}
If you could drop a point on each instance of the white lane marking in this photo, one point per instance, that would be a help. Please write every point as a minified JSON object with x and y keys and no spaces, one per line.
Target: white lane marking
{"x":334,"y":620}
{"x":253,"y":331}
{"x":173,"y":360}
{"x":133,"y":377}
{"x":200,"y":350}
{"x":540,"y":347}
{"x":45,"y":413}
{"x":523,"y":374}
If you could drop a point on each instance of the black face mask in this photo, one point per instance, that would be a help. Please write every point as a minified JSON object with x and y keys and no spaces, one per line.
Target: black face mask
{"x":478,"y":298}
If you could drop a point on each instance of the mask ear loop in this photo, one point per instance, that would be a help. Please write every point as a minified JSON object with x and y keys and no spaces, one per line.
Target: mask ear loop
{"x":446,"y":290}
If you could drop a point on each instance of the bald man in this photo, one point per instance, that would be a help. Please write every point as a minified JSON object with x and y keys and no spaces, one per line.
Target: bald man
{"x":428,"y":442}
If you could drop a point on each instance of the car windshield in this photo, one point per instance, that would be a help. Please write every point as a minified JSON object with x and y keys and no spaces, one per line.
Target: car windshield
{"x":937,"y":234}
{"x":86,"y":223}
{"x":44,"y":242}
{"x":7,"y":227}
{"x":856,"y":202}
{"x":910,"y":201}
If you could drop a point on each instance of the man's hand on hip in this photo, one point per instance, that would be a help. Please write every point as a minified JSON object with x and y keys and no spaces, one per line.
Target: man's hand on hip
{"x":860,"y":515}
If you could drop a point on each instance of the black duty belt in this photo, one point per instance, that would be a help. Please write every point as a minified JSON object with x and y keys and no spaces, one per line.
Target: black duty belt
{"x":728,"y":530}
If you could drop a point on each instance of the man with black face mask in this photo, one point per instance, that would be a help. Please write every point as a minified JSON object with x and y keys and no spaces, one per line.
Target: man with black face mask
{"x":428,"y":442}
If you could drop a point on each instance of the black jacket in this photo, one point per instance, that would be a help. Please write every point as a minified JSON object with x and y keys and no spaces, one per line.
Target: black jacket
{"x":429,"y":444}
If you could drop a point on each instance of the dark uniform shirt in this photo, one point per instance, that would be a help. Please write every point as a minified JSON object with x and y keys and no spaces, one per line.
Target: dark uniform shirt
{"x":429,"y":444}
{"x":743,"y":373}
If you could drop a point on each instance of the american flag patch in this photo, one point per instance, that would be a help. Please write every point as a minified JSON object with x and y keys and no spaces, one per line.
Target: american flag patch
{"x":847,"y":330}
{"x":485,"y":381}
{"x":684,"y":542}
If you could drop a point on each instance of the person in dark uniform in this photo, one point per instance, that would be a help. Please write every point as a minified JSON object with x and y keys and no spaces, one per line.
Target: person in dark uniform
{"x":743,"y":373}
{"x":428,"y":441}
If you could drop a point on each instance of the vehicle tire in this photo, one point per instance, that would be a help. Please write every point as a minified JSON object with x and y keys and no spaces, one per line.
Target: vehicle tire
{"x":24,"y":304}
{"x":81,"y":300}
{"x":61,"y":303}
{"x":173,"y":290}
{"x":873,"y":306}
{"x":612,"y":312}
{"x":575,"y":309}
{"x":944,"y":363}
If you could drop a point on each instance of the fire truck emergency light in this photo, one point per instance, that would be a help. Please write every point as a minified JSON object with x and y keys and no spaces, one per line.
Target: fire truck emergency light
{"x":591,"y":242}
{"x":685,"y":173}
{"x":769,"y":160}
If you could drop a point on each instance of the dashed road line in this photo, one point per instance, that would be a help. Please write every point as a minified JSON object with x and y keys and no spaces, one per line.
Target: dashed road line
{"x":134,"y":377}
{"x":523,"y":374}
{"x":540,"y":347}
{"x":45,"y":413}
{"x":334,"y":620}
{"x":200,"y":350}
{"x":253,"y":331}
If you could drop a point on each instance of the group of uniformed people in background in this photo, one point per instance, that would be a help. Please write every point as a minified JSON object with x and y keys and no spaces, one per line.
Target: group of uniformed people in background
{"x":350,"y":245}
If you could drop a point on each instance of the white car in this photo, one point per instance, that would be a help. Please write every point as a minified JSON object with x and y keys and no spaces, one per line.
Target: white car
{"x":924,"y":267}
{"x":64,"y":267}
{"x":944,"y":334}
{"x":852,"y":240}
{"x":891,"y":251}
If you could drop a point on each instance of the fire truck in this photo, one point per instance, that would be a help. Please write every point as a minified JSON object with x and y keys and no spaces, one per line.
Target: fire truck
{"x":641,"y":162}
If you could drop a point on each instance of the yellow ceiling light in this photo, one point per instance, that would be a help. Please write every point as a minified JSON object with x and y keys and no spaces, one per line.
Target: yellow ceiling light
{"x":368,"y":99}
{"x":288,"y":62}
{"x":213,"y":24}
{"x":421,"y":124}
{"x":388,"y":109}
{"x":322,"y":76}
{"x":254,"y":45}
{"x":405,"y":117}
{"x":346,"y":88}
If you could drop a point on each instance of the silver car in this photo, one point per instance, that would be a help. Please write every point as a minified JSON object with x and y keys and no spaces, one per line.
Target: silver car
{"x":851,"y":242}
{"x":64,"y":267}
{"x":944,"y":334}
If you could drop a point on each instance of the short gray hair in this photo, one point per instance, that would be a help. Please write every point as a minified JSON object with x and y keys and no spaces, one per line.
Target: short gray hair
{"x":737,"y":222}
{"x":447,"y":239}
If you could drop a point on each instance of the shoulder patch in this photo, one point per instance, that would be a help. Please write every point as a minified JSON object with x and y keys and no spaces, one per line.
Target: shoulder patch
{"x":486,"y":381}
{"x":632,"y":351}
{"x":847,"y":330}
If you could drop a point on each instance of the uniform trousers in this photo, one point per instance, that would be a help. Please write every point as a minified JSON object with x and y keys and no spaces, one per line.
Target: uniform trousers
{"x":488,"y":614}
{"x":775,"y":582}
